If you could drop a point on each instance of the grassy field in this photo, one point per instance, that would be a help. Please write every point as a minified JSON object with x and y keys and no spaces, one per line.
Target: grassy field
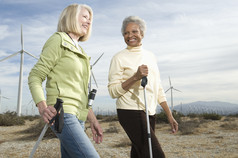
{"x":206,"y":135}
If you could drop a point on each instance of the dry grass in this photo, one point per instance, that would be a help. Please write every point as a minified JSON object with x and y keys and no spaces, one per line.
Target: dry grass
{"x":197,"y":138}
{"x":125,"y":142}
{"x":34,"y":131}
{"x":112,"y":128}
{"x":230,"y":126}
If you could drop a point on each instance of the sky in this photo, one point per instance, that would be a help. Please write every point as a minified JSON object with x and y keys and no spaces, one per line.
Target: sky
{"x":195,"y":43}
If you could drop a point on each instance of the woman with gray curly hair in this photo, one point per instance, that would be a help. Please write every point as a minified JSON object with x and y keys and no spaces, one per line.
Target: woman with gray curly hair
{"x":127,"y":69}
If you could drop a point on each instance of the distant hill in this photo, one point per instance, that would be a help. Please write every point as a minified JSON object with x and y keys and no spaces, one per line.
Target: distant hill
{"x":222,"y":108}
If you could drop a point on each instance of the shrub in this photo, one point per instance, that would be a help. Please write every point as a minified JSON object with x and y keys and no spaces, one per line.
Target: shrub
{"x":233,"y":115}
{"x":112,"y":129}
{"x":99,"y":117}
{"x":34,"y":131}
{"x":229,"y":126}
{"x":211,"y":116}
{"x":11,"y":119}
{"x":107,"y":118}
{"x":123,"y":143}
{"x":31,"y":118}
{"x":110,"y":118}
{"x":193,"y":115}
{"x":188,"y":127}
{"x":162,"y":117}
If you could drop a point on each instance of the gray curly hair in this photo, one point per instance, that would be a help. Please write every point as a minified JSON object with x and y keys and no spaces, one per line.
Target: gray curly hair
{"x":134,"y":19}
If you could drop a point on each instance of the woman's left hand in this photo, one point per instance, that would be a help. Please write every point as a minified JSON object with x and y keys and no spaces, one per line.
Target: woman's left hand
{"x":96,"y":131}
{"x":173,"y":124}
{"x":95,"y":127}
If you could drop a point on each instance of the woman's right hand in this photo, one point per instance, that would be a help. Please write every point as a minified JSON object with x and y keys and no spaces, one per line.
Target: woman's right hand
{"x":46,"y":112}
{"x":141,"y":72}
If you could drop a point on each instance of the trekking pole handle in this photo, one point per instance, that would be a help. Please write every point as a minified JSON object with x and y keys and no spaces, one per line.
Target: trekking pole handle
{"x":144,"y":81}
{"x":57,"y":106}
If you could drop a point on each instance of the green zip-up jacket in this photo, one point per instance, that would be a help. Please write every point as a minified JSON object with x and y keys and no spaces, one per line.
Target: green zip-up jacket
{"x":67,"y":70}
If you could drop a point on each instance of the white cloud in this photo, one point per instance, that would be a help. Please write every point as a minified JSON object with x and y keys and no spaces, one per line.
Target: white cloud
{"x":4,"y":31}
{"x":3,"y":54}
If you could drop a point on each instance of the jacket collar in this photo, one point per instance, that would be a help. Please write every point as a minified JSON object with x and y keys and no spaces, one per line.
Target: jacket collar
{"x":68,"y":43}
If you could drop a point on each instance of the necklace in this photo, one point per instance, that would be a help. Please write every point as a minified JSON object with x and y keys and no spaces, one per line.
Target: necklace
{"x":74,"y":42}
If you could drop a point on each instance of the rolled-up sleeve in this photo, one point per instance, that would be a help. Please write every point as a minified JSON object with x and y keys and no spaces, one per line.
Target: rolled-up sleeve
{"x":115,"y":79}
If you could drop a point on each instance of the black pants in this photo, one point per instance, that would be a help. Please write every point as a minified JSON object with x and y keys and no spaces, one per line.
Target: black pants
{"x":135,"y":125}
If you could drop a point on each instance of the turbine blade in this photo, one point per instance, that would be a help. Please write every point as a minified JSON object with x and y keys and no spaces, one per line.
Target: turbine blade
{"x":5,"y":97}
{"x":30,"y":101}
{"x":97,"y":60}
{"x":94,"y":79}
{"x":10,"y":56}
{"x":167,"y":90}
{"x":177,"y":90}
{"x":170,"y":81}
{"x":31,"y":55}
{"x":22,"y":39}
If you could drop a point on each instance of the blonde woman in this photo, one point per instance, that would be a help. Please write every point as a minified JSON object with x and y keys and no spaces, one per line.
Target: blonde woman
{"x":67,"y":69}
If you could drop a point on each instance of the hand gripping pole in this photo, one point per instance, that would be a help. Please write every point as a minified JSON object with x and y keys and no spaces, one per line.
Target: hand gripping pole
{"x":57,"y":106}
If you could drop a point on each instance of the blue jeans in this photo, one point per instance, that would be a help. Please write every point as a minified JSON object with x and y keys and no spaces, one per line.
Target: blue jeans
{"x":73,"y":140}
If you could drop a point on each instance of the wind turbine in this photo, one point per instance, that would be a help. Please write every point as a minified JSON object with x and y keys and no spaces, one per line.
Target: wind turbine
{"x":171,"y":88}
{"x":22,"y":51}
{"x":90,"y":80}
{"x":1,"y":99}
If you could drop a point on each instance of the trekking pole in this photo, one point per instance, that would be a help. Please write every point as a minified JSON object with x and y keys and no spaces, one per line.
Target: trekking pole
{"x":143,"y":84}
{"x":57,"y":106}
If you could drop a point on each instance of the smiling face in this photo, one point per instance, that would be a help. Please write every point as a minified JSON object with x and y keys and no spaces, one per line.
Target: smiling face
{"x":84,"y":21}
{"x":133,"y":35}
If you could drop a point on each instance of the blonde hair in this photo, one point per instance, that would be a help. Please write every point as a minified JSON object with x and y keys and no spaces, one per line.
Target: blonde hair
{"x":134,"y":19}
{"x":68,"y":20}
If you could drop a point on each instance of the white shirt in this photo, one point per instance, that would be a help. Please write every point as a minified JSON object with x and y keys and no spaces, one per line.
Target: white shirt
{"x":124,"y":65}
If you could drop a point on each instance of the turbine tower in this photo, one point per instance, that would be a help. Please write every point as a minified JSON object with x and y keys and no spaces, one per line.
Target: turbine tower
{"x":171,"y":88}
{"x":90,"y":80}
{"x":22,"y":51}
{"x":1,"y":99}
